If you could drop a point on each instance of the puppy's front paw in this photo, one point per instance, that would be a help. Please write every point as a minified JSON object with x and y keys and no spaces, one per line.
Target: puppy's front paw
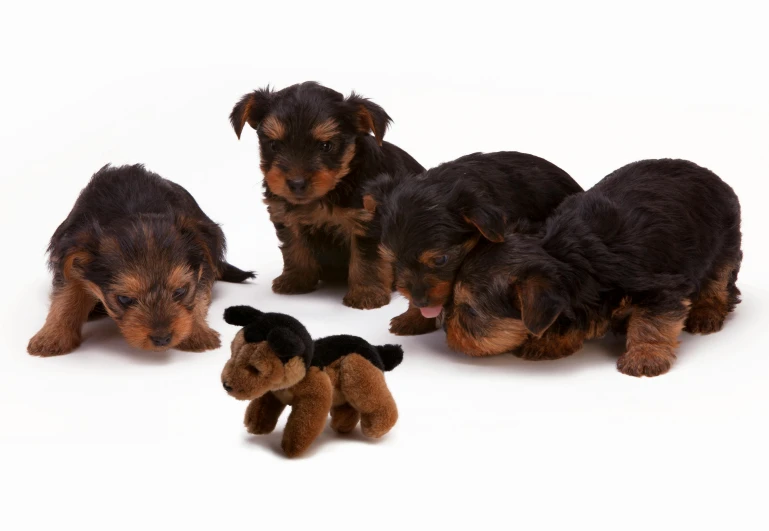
{"x":201,"y":340}
{"x":366,"y":299}
{"x":292,"y":284}
{"x":47,"y":343}
{"x":412,"y":324}
{"x":645,"y":361}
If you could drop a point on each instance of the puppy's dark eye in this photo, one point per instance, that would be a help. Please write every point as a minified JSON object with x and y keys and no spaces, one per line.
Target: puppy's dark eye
{"x":125,"y":301}
{"x":253,"y":370}
{"x":179,"y":293}
{"x":275,"y":145}
{"x":325,"y":147}
{"x":469,"y":310}
{"x":441,"y":260}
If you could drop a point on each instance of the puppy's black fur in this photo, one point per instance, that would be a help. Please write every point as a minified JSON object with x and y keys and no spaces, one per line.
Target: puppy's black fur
{"x":317,"y":150}
{"x":653,"y":247}
{"x":431,"y":222}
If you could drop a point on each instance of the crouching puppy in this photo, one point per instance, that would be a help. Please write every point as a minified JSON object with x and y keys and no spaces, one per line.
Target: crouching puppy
{"x":429,"y":224}
{"x":275,"y":363}
{"x":317,"y":150}
{"x":652,"y":249}
{"x":138,"y":248}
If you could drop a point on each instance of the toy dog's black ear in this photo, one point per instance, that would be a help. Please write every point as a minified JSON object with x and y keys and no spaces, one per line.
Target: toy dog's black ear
{"x":489,"y":220}
{"x":253,"y":333}
{"x":285,"y":343}
{"x":541,"y":304}
{"x":371,"y":118}
{"x":252,"y":108}
{"x":241,"y":315}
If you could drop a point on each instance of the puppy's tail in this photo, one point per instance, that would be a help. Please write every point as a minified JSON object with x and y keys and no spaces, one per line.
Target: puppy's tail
{"x":392,"y":356}
{"x":230,"y":273}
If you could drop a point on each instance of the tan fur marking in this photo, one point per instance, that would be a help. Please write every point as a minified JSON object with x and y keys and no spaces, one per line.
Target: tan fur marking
{"x":61,"y":333}
{"x":326,"y":130}
{"x":273,"y":128}
{"x":369,"y":283}
{"x":652,"y":340}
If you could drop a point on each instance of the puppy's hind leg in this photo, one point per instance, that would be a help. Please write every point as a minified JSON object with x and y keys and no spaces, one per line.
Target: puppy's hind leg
{"x":652,"y":339}
{"x":716,"y":299}
{"x":61,"y":333}
{"x":365,"y":388}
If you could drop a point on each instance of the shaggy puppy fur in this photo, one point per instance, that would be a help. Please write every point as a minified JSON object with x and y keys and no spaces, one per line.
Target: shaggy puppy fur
{"x":317,"y":151}
{"x":139,"y":248}
{"x":275,"y":363}
{"x":430,"y":223}
{"x":652,"y":249}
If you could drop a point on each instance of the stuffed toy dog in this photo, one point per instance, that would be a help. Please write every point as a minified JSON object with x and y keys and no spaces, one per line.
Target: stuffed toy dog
{"x":275,"y":363}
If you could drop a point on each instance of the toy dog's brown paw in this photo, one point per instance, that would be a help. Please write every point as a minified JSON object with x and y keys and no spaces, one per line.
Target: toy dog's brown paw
{"x":645,"y":361}
{"x":411,"y":324}
{"x":294,"y":447}
{"x":366,"y":298}
{"x":292,"y":284}
{"x":704,"y":320}
{"x":344,"y":418}
{"x":46,"y":343}
{"x":379,"y":422}
{"x":262,"y":414}
{"x":200,"y":341}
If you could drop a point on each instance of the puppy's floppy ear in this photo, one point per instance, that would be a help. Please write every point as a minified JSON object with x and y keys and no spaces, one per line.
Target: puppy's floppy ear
{"x":206,"y":239}
{"x":541,"y":303}
{"x":371,"y":118}
{"x":241,"y":315}
{"x":285,"y":343}
{"x":251,"y":108}
{"x":488,"y":219}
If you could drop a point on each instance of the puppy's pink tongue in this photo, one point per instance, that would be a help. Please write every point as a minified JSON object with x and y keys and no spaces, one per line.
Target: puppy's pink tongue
{"x":431,"y":312}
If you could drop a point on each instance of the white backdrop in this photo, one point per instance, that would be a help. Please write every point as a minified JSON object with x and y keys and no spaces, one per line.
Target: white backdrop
{"x":112,"y":438}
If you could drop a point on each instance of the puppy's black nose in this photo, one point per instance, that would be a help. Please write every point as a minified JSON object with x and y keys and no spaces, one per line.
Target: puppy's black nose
{"x":297,"y":185}
{"x":226,"y":387}
{"x":161,"y":340}
{"x":420,"y":302}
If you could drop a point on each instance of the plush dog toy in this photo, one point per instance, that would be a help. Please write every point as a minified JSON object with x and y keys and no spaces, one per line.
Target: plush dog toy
{"x":276,"y":363}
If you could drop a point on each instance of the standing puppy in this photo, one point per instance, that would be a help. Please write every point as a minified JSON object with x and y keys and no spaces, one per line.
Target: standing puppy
{"x":430,"y":223}
{"x":650,"y":250}
{"x":317,"y":151}
{"x":140,"y":248}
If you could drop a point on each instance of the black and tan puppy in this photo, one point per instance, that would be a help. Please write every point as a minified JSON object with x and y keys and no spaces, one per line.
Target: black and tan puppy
{"x":275,"y":364}
{"x":317,"y":150}
{"x":140,"y":248}
{"x":430,"y":223}
{"x":650,"y":250}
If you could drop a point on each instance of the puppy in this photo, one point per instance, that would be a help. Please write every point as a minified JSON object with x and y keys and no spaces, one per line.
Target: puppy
{"x":317,"y":150}
{"x":275,"y":363}
{"x":139,"y":248}
{"x":430,"y":223}
{"x":650,"y":250}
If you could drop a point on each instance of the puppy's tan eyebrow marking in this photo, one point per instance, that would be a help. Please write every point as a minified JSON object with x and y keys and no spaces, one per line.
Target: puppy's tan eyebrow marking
{"x":325,"y":130}
{"x":428,"y":257}
{"x":273,"y":128}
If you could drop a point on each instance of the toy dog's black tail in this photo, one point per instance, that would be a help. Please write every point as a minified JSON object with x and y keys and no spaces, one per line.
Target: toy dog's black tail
{"x":230,"y":273}
{"x":392,"y":356}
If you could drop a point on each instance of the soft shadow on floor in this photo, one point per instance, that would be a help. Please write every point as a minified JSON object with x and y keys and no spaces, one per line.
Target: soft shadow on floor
{"x":271,"y":441}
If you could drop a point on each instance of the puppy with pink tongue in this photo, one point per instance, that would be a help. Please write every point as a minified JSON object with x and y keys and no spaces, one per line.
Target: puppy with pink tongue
{"x":428,"y":223}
